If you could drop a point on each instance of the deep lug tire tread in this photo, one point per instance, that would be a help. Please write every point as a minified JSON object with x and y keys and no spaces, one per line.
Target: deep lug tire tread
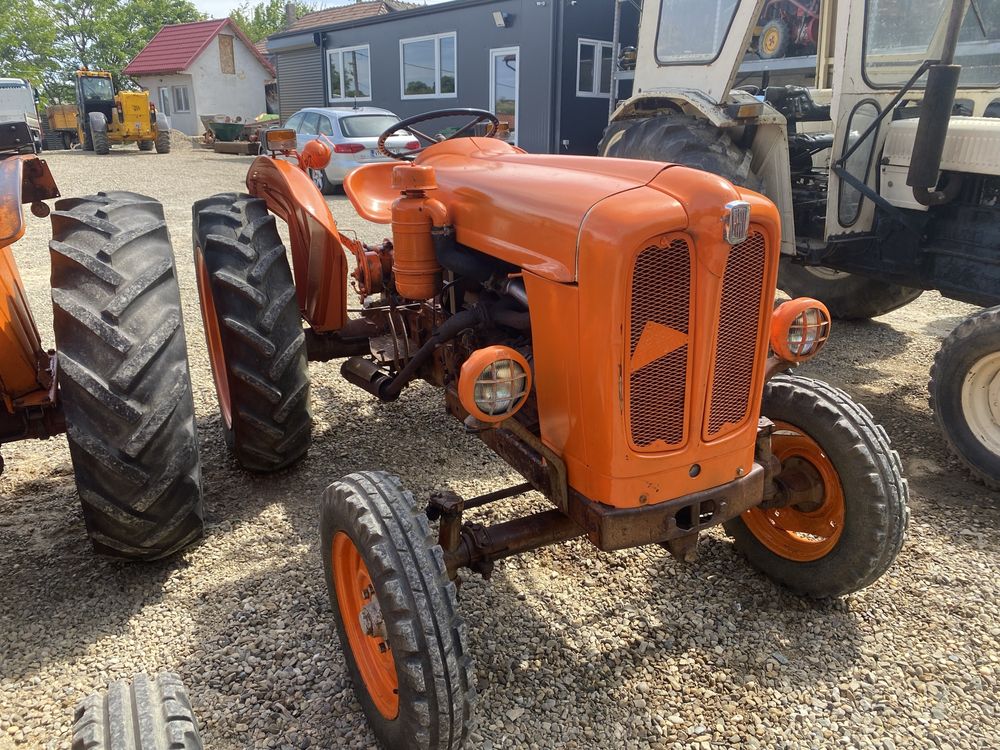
{"x":680,"y":139}
{"x":146,"y":145}
{"x":144,"y":714}
{"x":261,"y":330}
{"x":428,"y":637}
{"x":974,"y":338}
{"x":101,"y":143}
{"x":875,"y":491}
{"x":123,"y":373}
{"x":162,"y":142}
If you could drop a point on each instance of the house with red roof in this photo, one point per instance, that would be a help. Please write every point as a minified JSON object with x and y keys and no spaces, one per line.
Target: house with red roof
{"x":203,"y":68}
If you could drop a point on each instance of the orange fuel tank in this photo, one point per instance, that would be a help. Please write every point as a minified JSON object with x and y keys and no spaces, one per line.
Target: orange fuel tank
{"x":414,"y":267}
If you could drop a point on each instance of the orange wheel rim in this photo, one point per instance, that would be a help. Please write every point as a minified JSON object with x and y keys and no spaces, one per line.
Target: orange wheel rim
{"x":355,"y":598}
{"x":791,"y":532}
{"x":213,"y":337}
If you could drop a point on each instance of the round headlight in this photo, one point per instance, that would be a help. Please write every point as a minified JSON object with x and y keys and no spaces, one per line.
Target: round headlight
{"x":494,"y":383}
{"x":799,"y":329}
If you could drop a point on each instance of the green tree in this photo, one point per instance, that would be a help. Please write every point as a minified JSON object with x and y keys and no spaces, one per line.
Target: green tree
{"x":27,"y":42}
{"x":260,"y":20}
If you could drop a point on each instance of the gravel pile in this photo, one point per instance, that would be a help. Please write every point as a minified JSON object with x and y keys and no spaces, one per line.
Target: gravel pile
{"x":574,"y":648}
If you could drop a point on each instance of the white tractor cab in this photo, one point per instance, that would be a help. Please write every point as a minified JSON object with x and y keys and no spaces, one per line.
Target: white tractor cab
{"x":19,"y":103}
{"x":885,"y":164}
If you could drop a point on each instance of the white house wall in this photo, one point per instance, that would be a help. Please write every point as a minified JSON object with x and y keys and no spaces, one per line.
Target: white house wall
{"x":237,"y":95}
{"x":186,"y":122}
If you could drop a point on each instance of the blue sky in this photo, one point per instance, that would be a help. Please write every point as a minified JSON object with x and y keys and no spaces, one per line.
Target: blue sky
{"x":222,"y":8}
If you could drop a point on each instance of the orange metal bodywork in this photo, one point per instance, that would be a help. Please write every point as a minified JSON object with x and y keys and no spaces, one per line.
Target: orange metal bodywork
{"x":575,"y":226}
{"x":318,"y":260}
{"x":24,"y":378}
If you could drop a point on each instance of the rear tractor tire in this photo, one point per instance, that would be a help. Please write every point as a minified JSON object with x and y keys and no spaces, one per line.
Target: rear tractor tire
{"x":680,"y":139}
{"x":965,"y":394}
{"x":123,"y":375}
{"x":254,"y":332}
{"x":847,"y":296}
{"x":396,"y":614}
{"x":146,"y":145}
{"x":162,"y":142}
{"x":144,"y":714}
{"x":851,"y":533}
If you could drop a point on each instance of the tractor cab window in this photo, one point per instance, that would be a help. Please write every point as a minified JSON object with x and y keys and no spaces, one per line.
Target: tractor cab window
{"x":97,"y":89}
{"x":693,"y":31}
{"x":901,"y":34}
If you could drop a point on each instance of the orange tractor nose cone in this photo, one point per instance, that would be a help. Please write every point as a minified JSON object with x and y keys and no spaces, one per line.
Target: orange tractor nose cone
{"x":362,"y":617}
{"x":798,"y":532}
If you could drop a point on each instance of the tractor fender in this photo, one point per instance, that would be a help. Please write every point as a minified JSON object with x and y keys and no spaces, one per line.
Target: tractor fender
{"x":162,"y":122}
{"x":97,"y":122}
{"x":319,"y":262}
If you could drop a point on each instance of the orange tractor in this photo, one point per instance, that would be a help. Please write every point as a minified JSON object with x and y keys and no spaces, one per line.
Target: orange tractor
{"x":119,"y":384}
{"x":606,"y":326}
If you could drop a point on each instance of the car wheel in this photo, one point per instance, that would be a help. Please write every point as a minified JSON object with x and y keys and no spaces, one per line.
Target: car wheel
{"x":321,"y":181}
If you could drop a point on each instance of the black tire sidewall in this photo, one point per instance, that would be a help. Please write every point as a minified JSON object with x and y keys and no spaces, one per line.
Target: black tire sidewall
{"x":954,"y":360}
{"x":851,"y":297}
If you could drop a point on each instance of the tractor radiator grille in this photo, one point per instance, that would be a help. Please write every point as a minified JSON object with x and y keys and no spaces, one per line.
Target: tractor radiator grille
{"x":736,"y":342}
{"x":659,"y":312}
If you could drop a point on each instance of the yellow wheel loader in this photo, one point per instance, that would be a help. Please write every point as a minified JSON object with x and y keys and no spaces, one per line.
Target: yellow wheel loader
{"x":107,"y":117}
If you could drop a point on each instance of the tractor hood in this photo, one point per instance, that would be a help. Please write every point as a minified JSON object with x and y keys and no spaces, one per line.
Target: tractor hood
{"x":527,"y":209}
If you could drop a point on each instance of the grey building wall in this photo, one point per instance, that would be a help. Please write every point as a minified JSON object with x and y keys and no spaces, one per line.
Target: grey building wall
{"x":300,"y":79}
{"x":583,"y":119}
{"x":529,"y":28}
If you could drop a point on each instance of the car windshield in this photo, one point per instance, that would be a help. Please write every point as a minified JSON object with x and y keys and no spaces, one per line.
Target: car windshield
{"x":97,"y":89}
{"x":901,"y":34}
{"x":366,"y":126}
{"x":693,"y":31}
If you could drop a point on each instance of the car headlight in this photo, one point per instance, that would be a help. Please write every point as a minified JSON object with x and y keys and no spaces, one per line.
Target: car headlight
{"x":494,"y":383}
{"x":799,"y":329}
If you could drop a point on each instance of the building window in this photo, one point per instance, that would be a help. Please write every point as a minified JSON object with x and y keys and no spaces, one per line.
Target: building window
{"x":427,"y":66}
{"x":349,"y":73}
{"x":593,"y":68}
{"x":164,"y":94}
{"x":227,"y":58}
{"x":182,"y":101}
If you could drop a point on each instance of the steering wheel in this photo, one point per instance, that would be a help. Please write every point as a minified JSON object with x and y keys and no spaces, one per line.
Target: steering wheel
{"x":407,"y":125}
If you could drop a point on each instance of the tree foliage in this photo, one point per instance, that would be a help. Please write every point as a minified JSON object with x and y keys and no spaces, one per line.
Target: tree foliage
{"x":45,"y":41}
{"x":260,"y":20}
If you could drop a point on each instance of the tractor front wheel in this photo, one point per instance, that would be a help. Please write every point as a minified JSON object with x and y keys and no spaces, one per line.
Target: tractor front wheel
{"x":256,"y":344}
{"x":162,"y":142}
{"x":774,"y":39}
{"x":965,"y":394}
{"x":146,"y":145}
{"x":101,"y":143}
{"x":846,"y":530}
{"x":847,"y":296}
{"x":123,"y":375}
{"x":396,"y":614}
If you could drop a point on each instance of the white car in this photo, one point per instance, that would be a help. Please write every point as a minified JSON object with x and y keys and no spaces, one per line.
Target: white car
{"x":351,"y":134}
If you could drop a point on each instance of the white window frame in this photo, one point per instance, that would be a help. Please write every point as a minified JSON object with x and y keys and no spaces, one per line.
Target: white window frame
{"x":436,"y":38}
{"x":494,"y":53}
{"x":340,"y":51}
{"x":187,"y":99}
{"x":165,"y":97}
{"x":598,"y":45}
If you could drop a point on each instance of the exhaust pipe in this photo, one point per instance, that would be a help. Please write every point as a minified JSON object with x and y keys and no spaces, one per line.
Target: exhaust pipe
{"x":935,"y":114}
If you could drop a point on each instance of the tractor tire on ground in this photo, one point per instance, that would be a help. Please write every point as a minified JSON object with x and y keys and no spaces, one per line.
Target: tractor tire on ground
{"x":254,"y":331}
{"x":146,"y":145}
{"x":54,"y":140}
{"x":101,"y":143}
{"x":321,"y":181}
{"x":162,"y":142}
{"x":142,"y":715}
{"x":123,"y":375}
{"x":773,"y":40}
{"x":412,"y":672}
{"x":852,"y":537}
{"x":964,"y":383}
{"x":847,"y":296}
{"x":680,"y":139}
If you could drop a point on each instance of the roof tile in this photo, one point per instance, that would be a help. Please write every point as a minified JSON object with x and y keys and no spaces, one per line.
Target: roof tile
{"x":175,"y":47}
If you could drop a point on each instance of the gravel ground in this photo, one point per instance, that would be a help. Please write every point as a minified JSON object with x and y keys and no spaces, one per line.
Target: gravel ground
{"x":574,"y":648}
